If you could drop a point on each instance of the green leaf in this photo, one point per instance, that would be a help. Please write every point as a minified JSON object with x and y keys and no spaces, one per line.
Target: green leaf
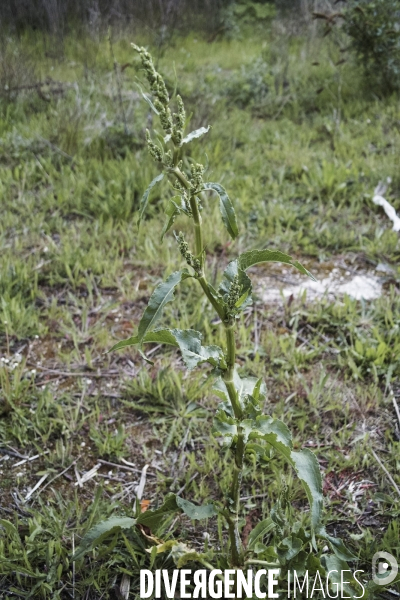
{"x":272,"y":430}
{"x":145,"y":198}
{"x":195,"y":134}
{"x":9,"y":527}
{"x":304,"y":461}
{"x":259,"y":531}
{"x":245,"y":386}
{"x":100,"y":532}
{"x":337,"y":569}
{"x":159,"y":336}
{"x":154,"y":518}
{"x":254,"y":257}
{"x":337,"y":545}
{"x":307,"y":468}
{"x":172,"y":504}
{"x":226,"y":208}
{"x":289,"y":548}
{"x":224,"y":424}
{"x":163,"y":294}
{"x":194,"y":512}
{"x":193,"y":353}
{"x":187,"y":340}
{"x":172,"y":211}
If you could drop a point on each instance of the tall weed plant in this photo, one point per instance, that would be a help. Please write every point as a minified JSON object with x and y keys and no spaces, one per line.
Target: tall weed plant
{"x":239,"y":421}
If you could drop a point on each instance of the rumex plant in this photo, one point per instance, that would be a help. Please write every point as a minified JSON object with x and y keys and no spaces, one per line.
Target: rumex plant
{"x":239,"y":419}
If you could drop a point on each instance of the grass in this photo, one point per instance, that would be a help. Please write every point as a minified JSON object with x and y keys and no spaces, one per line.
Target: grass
{"x":300,"y":148}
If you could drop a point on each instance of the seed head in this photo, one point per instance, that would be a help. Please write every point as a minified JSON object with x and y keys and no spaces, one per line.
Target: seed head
{"x":196,"y":180}
{"x":153,"y":149}
{"x":234,"y":293}
{"x":187,"y":255}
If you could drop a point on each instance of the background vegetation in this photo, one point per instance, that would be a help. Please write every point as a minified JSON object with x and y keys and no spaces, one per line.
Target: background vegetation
{"x":301,"y":136}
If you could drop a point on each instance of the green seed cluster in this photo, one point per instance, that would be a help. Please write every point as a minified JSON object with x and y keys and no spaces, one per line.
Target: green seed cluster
{"x":178,"y":127}
{"x":173,"y":125}
{"x":196,"y":179}
{"x":187,"y":255}
{"x":154,"y":150}
{"x":234,"y":293}
{"x":158,"y":88}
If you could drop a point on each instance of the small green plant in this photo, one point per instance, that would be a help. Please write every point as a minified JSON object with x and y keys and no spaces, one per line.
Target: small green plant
{"x":109,"y":443}
{"x":251,"y":435}
{"x":373,"y":27}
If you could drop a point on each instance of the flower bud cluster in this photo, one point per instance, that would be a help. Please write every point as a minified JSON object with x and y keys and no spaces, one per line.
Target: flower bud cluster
{"x":196,"y":179}
{"x":187,"y":255}
{"x":178,"y":127}
{"x":173,"y":125}
{"x":154,"y":150}
{"x":158,"y":88}
{"x":234,"y":293}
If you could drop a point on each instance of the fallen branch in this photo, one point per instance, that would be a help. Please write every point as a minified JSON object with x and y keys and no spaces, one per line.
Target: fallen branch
{"x":387,"y":207}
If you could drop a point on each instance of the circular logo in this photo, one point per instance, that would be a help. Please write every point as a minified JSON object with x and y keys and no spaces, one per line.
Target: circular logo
{"x":384,"y":568}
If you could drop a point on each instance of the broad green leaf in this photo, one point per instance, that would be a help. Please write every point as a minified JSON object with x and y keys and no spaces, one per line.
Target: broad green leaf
{"x":245,"y":386}
{"x":161,"y":336}
{"x":304,"y":461}
{"x":154,"y":518}
{"x":187,"y":340}
{"x":172,"y":504}
{"x":272,"y":430}
{"x":193,"y":353}
{"x":339,"y":571}
{"x":254,"y":257}
{"x":337,"y":545}
{"x":163,"y":294}
{"x":224,"y":425}
{"x":226,"y":208}
{"x":307,"y":468}
{"x":100,"y":532}
{"x":259,"y":531}
{"x":145,"y":198}
{"x":186,"y":558}
{"x":194,"y":512}
{"x":195,"y":134}
{"x":289,"y":548}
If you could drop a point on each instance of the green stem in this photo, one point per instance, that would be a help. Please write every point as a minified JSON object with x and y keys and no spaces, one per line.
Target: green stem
{"x":237,"y":556}
{"x":263,"y":563}
{"x":199,"y":248}
{"x":236,"y":548}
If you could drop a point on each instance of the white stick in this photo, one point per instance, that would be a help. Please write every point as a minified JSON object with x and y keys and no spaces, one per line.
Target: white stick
{"x":142,"y":483}
{"x":22,"y":462}
{"x":88,"y":475}
{"x":387,"y":207}
{"x":39,"y":483}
